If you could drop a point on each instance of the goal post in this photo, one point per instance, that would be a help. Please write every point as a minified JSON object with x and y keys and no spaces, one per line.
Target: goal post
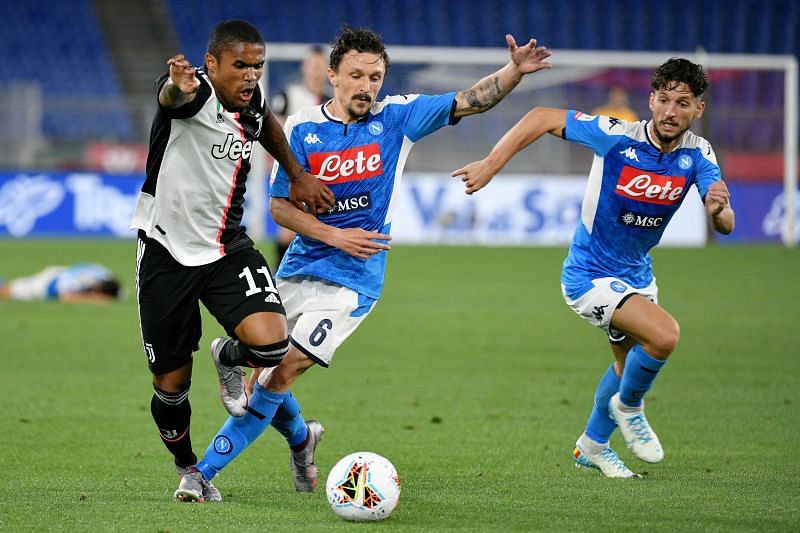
{"x":436,"y":69}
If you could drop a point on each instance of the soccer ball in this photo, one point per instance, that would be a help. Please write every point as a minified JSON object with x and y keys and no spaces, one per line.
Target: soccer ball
{"x":363,"y":486}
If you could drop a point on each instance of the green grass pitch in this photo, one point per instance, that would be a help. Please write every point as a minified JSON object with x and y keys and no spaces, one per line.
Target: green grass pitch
{"x":471,"y":375}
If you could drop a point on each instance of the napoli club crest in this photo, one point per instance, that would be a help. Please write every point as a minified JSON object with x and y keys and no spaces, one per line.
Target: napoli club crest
{"x":375,"y":128}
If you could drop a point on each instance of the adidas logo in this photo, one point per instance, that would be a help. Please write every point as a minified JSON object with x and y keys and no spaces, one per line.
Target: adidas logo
{"x":311,"y":138}
{"x":272,"y":299}
{"x":630,"y":153}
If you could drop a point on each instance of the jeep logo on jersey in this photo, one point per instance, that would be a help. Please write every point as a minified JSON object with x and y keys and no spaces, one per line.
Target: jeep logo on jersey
{"x":639,"y":220}
{"x":232,"y":149}
{"x":649,"y":187}
{"x":357,"y":163}
{"x":345,"y":204}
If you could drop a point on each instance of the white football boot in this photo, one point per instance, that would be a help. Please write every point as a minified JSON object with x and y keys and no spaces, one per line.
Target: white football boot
{"x":638,"y":435}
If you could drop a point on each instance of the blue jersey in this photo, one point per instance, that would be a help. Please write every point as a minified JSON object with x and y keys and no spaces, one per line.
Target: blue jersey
{"x":76,"y":278}
{"x":363,"y":164}
{"x":632,"y":193}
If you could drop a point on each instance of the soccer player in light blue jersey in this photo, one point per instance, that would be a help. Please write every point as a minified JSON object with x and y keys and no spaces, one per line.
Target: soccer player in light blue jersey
{"x":78,"y":283}
{"x":640,"y":175}
{"x":333,"y":272}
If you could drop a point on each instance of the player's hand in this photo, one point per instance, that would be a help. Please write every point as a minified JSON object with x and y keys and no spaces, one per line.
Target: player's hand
{"x":181,"y":72}
{"x":360,"y":243}
{"x":308,"y":191}
{"x":474,"y":175}
{"x":528,"y":58}
{"x":717,"y":198}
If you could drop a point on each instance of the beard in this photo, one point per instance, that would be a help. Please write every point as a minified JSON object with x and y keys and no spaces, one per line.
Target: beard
{"x":664,"y":138}
{"x":351,"y":110}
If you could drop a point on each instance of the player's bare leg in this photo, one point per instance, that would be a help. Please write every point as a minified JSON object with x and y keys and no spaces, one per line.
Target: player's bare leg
{"x":656,"y":334}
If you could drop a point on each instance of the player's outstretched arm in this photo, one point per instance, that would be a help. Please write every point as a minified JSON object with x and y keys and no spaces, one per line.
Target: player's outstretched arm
{"x":536,"y":123}
{"x":718,"y":208}
{"x":303,"y":187}
{"x":357,"y":242}
{"x":485,"y":94}
{"x":182,"y":85}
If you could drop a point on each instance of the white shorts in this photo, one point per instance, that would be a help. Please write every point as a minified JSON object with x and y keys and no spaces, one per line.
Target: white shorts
{"x":598,"y":304}
{"x":321,"y":314}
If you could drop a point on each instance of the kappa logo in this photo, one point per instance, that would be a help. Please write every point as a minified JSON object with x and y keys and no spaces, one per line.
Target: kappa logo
{"x":311,"y":138}
{"x":358,"y":163}
{"x":599,"y":312}
{"x":630,"y":153}
{"x":650,"y":187}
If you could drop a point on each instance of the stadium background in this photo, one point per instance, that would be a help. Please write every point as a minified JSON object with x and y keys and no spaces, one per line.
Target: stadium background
{"x":472,"y":375}
{"x":76,"y":97}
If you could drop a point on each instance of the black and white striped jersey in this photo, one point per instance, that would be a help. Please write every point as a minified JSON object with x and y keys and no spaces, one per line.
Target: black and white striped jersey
{"x":193,"y":195}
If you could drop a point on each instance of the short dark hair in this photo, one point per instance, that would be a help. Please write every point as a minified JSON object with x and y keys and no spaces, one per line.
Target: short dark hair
{"x":111,"y":287}
{"x":229,"y":33}
{"x":360,"y":40}
{"x":678,"y":70}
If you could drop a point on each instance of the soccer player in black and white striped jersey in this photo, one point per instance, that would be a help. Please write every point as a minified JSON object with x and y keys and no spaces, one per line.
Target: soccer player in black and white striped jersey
{"x":192,"y":246}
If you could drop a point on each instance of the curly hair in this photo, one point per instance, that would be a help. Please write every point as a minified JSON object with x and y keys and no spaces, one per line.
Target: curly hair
{"x":678,"y":70}
{"x":360,"y":40}
{"x":228,"y":34}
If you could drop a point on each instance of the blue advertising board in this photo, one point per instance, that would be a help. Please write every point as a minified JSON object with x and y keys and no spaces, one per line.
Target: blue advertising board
{"x":431,"y":208}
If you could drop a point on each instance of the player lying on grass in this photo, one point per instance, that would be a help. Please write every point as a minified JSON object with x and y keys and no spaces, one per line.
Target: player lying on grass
{"x":333,"y":272}
{"x":641,"y":173}
{"x":78,"y":283}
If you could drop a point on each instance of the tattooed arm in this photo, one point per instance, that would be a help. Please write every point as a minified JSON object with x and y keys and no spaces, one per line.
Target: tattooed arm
{"x":485,"y":94}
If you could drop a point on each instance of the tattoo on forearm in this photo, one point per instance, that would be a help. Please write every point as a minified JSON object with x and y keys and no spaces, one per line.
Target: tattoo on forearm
{"x":472,"y":99}
{"x":486,"y":95}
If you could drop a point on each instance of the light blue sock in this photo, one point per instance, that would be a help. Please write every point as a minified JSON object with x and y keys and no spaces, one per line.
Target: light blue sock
{"x":289,"y":422}
{"x":641,"y":370}
{"x":237,"y":433}
{"x":600,"y":425}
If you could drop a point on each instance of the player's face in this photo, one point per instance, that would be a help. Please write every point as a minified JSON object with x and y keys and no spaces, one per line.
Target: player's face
{"x":315,"y":73}
{"x":674,"y":111}
{"x":235,"y":74}
{"x":356,"y":84}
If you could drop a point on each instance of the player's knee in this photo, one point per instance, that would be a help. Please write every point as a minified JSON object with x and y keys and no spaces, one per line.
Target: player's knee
{"x":267,"y":355}
{"x":666,"y":341}
{"x":172,"y":383}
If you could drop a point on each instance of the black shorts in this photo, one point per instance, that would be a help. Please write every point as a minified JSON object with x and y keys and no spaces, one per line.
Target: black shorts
{"x":169,"y":295}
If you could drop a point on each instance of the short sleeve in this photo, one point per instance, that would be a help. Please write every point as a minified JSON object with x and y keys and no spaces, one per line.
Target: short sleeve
{"x":598,"y":132}
{"x":279,"y":179}
{"x":426,"y":114}
{"x":189,"y":109}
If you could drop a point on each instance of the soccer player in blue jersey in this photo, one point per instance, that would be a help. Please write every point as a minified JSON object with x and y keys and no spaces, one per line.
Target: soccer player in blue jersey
{"x":640,"y":175}
{"x":333,"y":271}
{"x":78,"y":283}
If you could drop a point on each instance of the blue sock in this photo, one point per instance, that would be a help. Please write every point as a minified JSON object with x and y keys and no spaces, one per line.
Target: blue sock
{"x":600,"y":425}
{"x":289,"y":422}
{"x":641,"y":370}
{"x":237,"y":433}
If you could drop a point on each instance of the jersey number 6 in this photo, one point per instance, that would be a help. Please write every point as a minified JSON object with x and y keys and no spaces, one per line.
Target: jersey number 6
{"x":318,"y":335}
